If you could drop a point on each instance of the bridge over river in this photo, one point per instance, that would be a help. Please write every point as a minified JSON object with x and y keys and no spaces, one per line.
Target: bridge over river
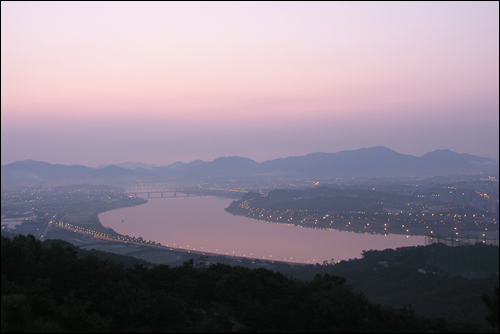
{"x":161,"y":192}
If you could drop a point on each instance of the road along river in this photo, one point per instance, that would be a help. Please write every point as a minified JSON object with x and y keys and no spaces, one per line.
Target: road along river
{"x":201,"y":224}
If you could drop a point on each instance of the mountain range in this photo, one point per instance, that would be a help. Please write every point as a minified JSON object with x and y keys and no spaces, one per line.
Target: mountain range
{"x":376,"y":161}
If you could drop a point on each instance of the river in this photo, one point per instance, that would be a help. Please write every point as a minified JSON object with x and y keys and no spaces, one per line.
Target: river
{"x":201,"y":224}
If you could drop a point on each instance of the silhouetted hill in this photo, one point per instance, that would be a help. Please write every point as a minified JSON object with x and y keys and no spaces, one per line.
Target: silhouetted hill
{"x":431,"y":279}
{"x":183,"y":166}
{"x":34,"y":173}
{"x":227,"y":166}
{"x":49,"y":288}
{"x":450,"y":159}
{"x":379,"y":161}
{"x":376,"y":161}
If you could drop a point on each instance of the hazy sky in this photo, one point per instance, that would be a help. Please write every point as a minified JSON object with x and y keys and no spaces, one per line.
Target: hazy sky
{"x":106,"y":82}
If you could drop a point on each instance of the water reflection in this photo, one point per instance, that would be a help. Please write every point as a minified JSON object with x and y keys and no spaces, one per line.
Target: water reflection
{"x":201,"y":224}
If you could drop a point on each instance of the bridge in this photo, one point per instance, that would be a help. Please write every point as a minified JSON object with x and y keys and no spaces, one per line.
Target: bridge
{"x":161,"y":192}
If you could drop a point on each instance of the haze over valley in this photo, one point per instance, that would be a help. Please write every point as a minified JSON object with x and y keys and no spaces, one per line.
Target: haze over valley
{"x":250,"y":166}
{"x":363,"y":163}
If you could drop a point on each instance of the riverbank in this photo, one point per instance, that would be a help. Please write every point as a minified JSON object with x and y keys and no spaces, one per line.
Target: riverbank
{"x":152,"y":252}
{"x":88,"y":232}
{"x":382,"y":223}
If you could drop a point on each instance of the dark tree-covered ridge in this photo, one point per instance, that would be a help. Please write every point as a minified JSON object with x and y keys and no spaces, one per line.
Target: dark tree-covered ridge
{"x":49,"y":288}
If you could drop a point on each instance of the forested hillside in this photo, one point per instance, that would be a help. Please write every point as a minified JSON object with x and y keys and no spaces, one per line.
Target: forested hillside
{"x":436,"y":280}
{"x":48,"y":288}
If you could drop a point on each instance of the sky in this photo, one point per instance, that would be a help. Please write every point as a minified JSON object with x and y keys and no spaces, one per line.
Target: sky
{"x":96,"y":83}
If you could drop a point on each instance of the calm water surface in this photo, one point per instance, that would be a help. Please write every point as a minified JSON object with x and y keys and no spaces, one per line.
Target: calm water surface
{"x":201,"y":224}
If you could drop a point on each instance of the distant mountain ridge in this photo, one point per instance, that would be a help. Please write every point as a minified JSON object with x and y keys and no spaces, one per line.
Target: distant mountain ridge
{"x":376,"y":161}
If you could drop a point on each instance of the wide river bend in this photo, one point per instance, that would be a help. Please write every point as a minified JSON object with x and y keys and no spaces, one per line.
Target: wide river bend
{"x":201,"y":224}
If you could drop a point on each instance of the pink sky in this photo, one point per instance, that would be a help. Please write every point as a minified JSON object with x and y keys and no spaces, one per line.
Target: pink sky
{"x":106,"y":82}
